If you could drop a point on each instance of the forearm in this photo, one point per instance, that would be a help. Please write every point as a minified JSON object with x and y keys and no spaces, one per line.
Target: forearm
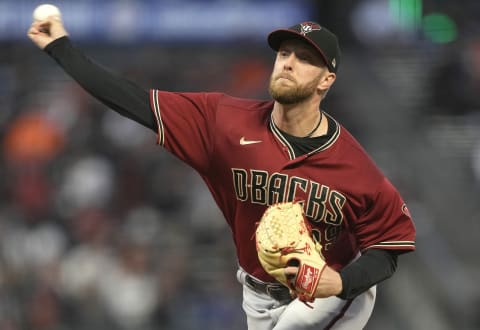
{"x":371,"y":268}
{"x":116,"y":93}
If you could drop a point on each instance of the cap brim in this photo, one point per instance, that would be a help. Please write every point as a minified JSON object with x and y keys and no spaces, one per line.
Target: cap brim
{"x":276,"y":38}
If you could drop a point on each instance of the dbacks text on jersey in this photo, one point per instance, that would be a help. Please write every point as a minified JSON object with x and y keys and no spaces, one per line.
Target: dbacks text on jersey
{"x":321,"y":203}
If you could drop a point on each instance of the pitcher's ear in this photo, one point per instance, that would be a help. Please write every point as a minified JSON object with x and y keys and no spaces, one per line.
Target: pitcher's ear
{"x":327,"y":81}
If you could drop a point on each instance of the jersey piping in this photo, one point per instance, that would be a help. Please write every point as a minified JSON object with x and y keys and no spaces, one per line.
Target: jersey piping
{"x":394,"y":244}
{"x":291,"y":153}
{"x":158,"y":116}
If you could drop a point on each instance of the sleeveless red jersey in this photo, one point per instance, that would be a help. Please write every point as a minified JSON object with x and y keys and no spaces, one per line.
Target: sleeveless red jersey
{"x":248,"y":165}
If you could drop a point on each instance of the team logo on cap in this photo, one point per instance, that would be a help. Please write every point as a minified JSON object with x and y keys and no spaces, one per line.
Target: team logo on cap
{"x":308,"y":27}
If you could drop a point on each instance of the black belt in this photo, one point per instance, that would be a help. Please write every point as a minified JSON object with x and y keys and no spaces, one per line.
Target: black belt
{"x":275,"y":290}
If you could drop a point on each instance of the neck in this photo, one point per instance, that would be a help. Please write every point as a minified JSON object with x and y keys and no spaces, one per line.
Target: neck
{"x":299,"y":120}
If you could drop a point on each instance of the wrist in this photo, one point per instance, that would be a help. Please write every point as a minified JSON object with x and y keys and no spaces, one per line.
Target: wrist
{"x":336,"y":281}
{"x":330,"y":284}
{"x":50,"y":46}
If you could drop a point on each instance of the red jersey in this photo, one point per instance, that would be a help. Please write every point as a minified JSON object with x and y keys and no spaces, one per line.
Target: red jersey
{"x":248,"y":165}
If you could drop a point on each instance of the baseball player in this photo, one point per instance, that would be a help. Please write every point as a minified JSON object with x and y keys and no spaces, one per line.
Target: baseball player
{"x":253,"y":154}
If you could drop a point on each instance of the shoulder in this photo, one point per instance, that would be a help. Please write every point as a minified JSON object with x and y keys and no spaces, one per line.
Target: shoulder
{"x":350,"y":142}
{"x":244,"y":104}
{"x":352,"y":155}
{"x":351,"y":148}
{"x":213,"y":99}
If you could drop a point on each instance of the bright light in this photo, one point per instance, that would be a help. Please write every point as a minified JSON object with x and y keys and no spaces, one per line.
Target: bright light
{"x":439,"y":28}
{"x":407,"y":14}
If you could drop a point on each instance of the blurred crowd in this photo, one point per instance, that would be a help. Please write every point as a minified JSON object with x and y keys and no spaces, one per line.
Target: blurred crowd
{"x":102,"y":229}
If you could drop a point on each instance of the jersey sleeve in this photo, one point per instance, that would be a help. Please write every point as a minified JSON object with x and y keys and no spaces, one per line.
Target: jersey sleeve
{"x":186,"y":125}
{"x":116,"y":92}
{"x":387,"y":223}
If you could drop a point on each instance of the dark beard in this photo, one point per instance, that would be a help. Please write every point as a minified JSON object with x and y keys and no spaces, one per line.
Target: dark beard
{"x":293,"y":95}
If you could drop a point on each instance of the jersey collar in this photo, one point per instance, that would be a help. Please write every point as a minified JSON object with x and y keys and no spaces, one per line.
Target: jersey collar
{"x":291,"y":153}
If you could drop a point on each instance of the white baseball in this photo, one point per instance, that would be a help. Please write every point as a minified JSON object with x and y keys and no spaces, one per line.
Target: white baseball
{"x":42,"y":12}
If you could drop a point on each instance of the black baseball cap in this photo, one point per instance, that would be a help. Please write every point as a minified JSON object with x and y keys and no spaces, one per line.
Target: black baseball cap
{"x":316,"y":35}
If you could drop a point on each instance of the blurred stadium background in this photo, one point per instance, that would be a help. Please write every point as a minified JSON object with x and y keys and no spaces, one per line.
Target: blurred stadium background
{"x":101,"y":229}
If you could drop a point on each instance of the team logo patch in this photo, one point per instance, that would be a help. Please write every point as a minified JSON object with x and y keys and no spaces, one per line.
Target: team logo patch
{"x":406,"y":211}
{"x":308,"y":27}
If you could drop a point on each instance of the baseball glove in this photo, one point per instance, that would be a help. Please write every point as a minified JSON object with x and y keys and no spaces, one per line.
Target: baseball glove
{"x":283,"y":238}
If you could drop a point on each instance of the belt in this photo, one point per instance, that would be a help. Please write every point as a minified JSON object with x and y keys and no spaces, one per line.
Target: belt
{"x":275,"y":290}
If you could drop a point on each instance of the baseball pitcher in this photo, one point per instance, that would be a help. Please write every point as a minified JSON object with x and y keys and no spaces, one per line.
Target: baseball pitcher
{"x":315,"y":223}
